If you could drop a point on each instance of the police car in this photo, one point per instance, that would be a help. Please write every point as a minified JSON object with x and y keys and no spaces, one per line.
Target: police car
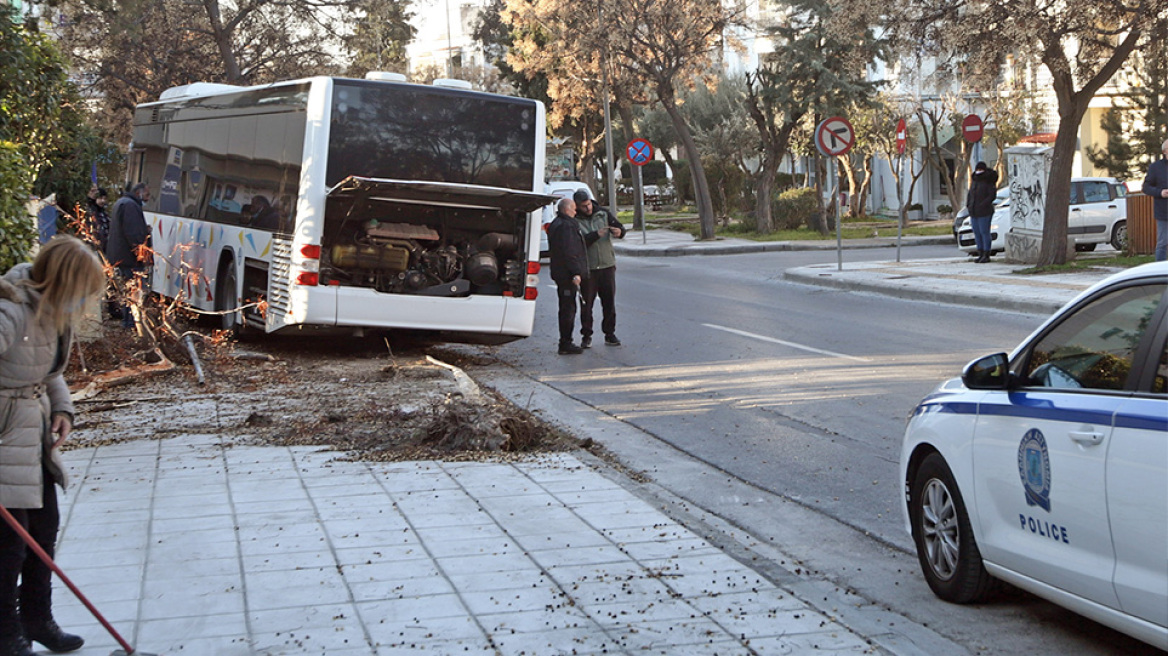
{"x":1048,"y":468}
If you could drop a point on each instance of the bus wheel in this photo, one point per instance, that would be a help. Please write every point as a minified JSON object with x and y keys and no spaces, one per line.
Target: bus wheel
{"x":227,"y":302}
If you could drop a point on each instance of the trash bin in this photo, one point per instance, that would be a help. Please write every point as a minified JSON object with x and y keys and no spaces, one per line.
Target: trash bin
{"x":1141,"y":227}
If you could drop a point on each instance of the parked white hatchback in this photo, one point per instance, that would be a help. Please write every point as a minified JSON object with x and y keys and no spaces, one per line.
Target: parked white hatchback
{"x":563,"y":189}
{"x":1048,"y":468}
{"x":1097,"y":215}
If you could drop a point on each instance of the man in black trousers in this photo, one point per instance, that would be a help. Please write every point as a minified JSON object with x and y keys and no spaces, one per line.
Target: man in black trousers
{"x":569,"y":257}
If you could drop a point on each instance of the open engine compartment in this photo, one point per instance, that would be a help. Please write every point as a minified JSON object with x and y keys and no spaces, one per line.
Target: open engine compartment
{"x":436,"y":242}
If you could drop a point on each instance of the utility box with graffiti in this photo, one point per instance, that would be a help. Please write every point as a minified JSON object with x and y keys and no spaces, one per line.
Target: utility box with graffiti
{"x":1029,"y":177}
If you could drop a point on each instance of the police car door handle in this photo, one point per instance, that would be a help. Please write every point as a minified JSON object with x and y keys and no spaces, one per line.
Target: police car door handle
{"x":1087,"y":438}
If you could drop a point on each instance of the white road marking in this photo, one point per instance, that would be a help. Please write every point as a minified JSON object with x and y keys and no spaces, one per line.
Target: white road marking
{"x":772,"y":340}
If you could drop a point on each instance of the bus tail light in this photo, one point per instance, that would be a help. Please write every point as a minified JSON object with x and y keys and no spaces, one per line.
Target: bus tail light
{"x":310,"y":273}
{"x":530,"y":290}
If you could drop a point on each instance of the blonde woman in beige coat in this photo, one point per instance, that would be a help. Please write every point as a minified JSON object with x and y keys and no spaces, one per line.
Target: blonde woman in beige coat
{"x":39,"y":304}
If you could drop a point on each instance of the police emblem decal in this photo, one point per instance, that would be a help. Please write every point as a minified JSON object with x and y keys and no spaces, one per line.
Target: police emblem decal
{"x":1034,"y":468}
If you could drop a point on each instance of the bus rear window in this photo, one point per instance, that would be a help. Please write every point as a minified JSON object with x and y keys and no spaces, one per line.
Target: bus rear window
{"x":412,"y":132}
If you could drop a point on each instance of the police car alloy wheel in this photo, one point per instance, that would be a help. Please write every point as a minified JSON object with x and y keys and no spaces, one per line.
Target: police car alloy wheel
{"x":945,"y":545}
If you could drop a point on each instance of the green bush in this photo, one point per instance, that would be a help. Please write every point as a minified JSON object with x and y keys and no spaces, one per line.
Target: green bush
{"x":794,"y":208}
{"x":682,"y":181}
{"x":17,"y":230}
{"x":653,"y":172}
{"x":944,"y":209}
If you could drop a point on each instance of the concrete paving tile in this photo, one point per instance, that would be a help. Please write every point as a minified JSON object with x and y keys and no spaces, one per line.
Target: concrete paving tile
{"x":487,"y":531}
{"x":391,"y":571}
{"x":166,"y":526}
{"x":379,"y":554}
{"x":194,"y":540}
{"x":581,"y":555}
{"x":280,"y":544}
{"x":402,"y":611}
{"x":78,"y":554}
{"x":830,"y":643}
{"x":642,"y":610}
{"x":191,"y":627}
{"x":86,"y":517}
{"x":708,"y":575}
{"x":637,"y":636}
{"x":298,"y":525}
{"x":562,"y":641}
{"x":666,"y":548}
{"x":295,"y":595}
{"x":219,"y":646}
{"x":562,"y":541}
{"x":398,"y":482}
{"x":246,"y":508}
{"x":171,"y":551}
{"x":610,"y":496}
{"x":99,"y":532}
{"x":374,"y":537}
{"x":191,"y":568}
{"x":114,"y":504}
{"x":526,"y":579}
{"x":435,"y":519}
{"x":439,"y":548}
{"x":400,"y":589}
{"x":187,"y":507}
{"x":423,"y":627}
{"x":103,"y":544}
{"x":337,"y":626}
{"x":441,"y":501}
{"x":543,"y":522}
{"x":244,"y":490}
{"x":537,"y":621}
{"x":761,"y":615}
{"x":485,"y":563}
{"x":642,"y":533}
{"x":180,"y":605}
{"x":349,"y":493}
{"x":209,"y":585}
{"x":76,"y":618}
{"x":387,"y":522}
{"x":544,"y":599}
{"x":281,"y":561}
{"x":84,"y":577}
{"x":444,"y":647}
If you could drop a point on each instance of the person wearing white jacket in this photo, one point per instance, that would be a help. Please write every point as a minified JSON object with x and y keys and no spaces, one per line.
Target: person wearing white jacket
{"x":39,"y":304}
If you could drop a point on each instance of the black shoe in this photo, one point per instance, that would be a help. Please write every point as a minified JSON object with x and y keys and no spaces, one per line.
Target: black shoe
{"x":16,"y":645}
{"x":570,"y":349}
{"x":586,"y":342}
{"x":52,"y":637}
{"x":611,"y":340}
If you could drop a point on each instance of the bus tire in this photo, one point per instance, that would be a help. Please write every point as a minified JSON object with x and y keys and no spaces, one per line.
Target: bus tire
{"x":227,"y":300}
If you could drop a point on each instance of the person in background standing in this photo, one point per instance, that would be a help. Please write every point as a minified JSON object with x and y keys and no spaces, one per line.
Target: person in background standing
{"x":1156,"y":186}
{"x":568,"y":252}
{"x":99,"y":221}
{"x":128,"y":231}
{"x":980,"y":203}
{"x":599,"y":226}
{"x":39,"y":305}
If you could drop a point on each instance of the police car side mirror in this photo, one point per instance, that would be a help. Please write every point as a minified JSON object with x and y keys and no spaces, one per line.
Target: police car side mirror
{"x":989,"y":373}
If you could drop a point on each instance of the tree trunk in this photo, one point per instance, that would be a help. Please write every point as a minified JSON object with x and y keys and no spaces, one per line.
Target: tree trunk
{"x":1058,"y":190}
{"x":821,"y":216}
{"x":860,"y":200}
{"x":701,"y":186}
{"x":764,"y":189}
{"x":845,"y":163}
{"x":223,"y":37}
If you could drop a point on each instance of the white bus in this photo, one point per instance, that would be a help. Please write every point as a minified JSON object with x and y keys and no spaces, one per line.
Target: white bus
{"x":346,"y":203}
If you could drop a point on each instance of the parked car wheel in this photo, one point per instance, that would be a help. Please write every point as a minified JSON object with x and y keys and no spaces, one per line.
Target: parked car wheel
{"x":945,"y":544}
{"x":1119,"y":236}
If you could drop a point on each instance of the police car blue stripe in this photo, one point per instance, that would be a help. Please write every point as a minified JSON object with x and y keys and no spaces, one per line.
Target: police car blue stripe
{"x":1151,"y":418}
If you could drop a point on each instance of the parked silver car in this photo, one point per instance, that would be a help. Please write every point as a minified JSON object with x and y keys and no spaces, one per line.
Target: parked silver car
{"x":1098,"y":215}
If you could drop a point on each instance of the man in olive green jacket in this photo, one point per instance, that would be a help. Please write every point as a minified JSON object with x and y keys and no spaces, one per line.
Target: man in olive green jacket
{"x":601,"y":279}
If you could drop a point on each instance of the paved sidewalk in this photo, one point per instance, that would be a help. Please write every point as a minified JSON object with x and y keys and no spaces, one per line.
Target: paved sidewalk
{"x":192,"y":546}
{"x":670,"y":243}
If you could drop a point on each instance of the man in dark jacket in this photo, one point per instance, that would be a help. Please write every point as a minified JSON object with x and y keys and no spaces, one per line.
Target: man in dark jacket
{"x":128,"y":231}
{"x":980,"y":203}
{"x":1156,"y":186}
{"x":569,"y":258}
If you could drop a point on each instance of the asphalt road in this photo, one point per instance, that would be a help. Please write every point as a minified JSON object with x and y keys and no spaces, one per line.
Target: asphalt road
{"x":801,"y":391}
{"x":799,"y":396}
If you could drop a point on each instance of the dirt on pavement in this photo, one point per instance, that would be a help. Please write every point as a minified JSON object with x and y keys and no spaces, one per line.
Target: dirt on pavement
{"x":369,"y":398}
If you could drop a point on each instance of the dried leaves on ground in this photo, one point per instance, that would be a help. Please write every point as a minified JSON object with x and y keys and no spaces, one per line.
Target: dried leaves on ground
{"x":368,"y":398}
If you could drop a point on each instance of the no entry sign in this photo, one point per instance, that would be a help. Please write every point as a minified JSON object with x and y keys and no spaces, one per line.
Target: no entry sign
{"x":639,"y":151}
{"x":972,"y":128}
{"x":901,"y":136}
{"x":835,"y":136}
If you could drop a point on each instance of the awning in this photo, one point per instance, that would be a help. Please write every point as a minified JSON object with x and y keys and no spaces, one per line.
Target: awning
{"x":1039,"y":138}
{"x":446,"y":194}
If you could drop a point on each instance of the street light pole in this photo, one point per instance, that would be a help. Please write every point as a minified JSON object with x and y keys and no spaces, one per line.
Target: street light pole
{"x":610,"y":163}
